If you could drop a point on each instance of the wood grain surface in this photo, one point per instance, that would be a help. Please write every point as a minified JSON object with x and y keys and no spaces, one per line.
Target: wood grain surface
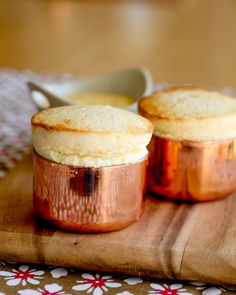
{"x":183,"y":41}
{"x":171,"y":240}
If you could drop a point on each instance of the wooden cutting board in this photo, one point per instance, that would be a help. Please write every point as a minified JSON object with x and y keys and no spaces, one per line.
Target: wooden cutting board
{"x":179,"y":241}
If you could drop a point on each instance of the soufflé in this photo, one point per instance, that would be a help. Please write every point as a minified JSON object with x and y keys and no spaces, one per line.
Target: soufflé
{"x":193,"y":148}
{"x":89,"y":166}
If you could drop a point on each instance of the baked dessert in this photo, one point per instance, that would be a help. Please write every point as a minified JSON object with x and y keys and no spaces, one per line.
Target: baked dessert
{"x":190,"y":113}
{"x":89,"y":166}
{"x":193,"y":148}
{"x":90,"y":136}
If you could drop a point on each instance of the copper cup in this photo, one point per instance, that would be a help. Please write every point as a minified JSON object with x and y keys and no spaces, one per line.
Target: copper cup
{"x":192,"y":171}
{"x":89,"y":199}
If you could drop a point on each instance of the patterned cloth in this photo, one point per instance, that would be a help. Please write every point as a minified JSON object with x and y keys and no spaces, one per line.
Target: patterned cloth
{"x":16,"y":110}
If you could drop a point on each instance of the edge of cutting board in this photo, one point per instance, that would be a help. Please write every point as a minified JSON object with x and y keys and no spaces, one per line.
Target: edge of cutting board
{"x":171,"y":240}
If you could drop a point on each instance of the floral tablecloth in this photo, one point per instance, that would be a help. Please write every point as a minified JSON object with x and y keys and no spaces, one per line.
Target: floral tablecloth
{"x":28,"y":279}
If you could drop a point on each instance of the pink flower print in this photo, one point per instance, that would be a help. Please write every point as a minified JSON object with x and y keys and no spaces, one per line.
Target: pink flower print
{"x":207,"y":289}
{"x":23,"y":275}
{"x":49,"y":289}
{"x":95,"y":284}
{"x":174,"y":289}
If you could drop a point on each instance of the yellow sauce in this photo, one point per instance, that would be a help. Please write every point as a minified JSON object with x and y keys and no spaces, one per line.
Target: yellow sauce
{"x":89,"y":98}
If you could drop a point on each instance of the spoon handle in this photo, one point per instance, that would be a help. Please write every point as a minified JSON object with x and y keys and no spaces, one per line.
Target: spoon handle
{"x":42,"y":98}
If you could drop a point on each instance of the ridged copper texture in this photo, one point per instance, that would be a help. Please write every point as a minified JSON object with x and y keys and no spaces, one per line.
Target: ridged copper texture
{"x":192,"y":171}
{"x":89,"y":199}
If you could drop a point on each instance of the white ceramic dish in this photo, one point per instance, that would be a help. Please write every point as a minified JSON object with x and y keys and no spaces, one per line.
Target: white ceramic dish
{"x":134,"y":83}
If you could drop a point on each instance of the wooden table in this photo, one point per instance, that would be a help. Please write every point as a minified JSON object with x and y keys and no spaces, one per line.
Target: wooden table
{"x":179,"y":41}
{"x":190,"y":41}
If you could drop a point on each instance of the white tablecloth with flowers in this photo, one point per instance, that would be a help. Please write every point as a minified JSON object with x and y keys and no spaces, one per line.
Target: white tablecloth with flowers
{"x":28,"y":279}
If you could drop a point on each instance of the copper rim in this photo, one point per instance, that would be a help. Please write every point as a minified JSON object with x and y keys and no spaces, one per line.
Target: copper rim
{"x":192,"y":171}
{"x":89,"y":199}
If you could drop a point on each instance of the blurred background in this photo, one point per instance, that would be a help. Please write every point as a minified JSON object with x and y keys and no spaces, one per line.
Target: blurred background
{"x":177,"y":40}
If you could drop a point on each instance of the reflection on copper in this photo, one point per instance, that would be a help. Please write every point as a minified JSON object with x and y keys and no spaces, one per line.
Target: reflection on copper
{"x":192,"y":171}
{"x":89,"y":199}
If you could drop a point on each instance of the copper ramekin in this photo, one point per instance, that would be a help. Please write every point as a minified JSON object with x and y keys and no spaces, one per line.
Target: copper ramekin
{"x":89,"y":199}
{"x":192,"y":171}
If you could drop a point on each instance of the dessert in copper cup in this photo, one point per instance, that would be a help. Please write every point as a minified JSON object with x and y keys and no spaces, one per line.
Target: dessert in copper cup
{"x":89,"y":167}
{"x":193,"y":148}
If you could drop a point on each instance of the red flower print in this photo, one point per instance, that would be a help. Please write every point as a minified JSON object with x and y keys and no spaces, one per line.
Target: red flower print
{"x":95,"y":284}
{"x":23,"y":275}
{"x":174,"y":289}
